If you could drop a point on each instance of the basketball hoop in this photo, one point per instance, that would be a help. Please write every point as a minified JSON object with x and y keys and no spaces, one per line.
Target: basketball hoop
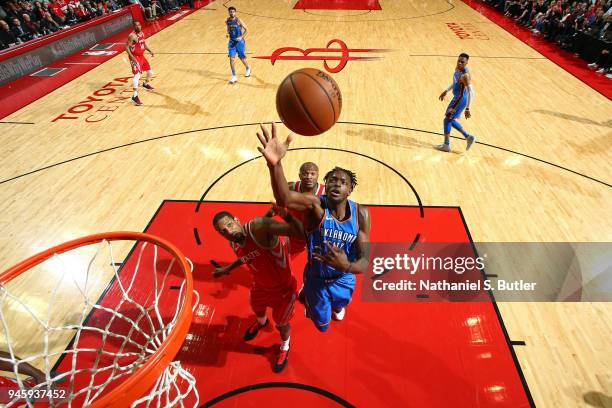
{"x":124,"y":336}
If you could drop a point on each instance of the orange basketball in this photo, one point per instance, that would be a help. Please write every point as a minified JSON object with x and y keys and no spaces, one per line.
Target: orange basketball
{"x":309,"y":101}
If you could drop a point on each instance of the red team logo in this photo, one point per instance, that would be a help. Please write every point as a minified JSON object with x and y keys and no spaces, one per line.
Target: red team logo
{"x":344,"y":57}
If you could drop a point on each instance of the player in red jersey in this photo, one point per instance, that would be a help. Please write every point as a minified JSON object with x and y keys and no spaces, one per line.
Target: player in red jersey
{"x":135,"y":48}
{"x":257,"y":244}
{"x":308,"y":183}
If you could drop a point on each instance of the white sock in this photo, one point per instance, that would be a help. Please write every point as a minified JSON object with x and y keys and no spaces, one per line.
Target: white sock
{"x":135,"y":80}
{"x":135,"y":94}
{"x":285,"y":344}
{"x":262,"y":320}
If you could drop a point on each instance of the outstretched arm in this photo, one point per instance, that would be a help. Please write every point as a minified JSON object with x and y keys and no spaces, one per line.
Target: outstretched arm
{"x":273,"y":151}
{"x":267,"y":229}
{"x":225,"y":270}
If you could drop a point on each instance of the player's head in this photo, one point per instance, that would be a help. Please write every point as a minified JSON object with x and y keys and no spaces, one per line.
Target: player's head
{"x":137,"y":26}
{"x":462,"y":61}
{"x":309,"y":174}
{"x":339,"y":184}
{"x":232,"y":11}
{"x":228,"y":226}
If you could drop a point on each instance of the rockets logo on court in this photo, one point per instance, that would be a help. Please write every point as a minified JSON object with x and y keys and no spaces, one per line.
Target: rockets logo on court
{"x":324,"y":54}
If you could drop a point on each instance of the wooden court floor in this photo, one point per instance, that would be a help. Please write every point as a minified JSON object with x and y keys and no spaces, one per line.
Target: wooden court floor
{"x":539,"y":173}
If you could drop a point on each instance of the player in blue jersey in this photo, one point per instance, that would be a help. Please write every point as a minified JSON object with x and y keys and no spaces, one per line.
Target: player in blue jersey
{"x":236,"y":31}
{"x":337,"y":231}
{"x":463,"y":94}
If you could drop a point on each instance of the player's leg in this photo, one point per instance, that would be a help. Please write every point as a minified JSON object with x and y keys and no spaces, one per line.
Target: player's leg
{"x":149,"y":74}
{"x":341,"y":293}
{"x":241,"y":48}
{"x":231,"y":49}
{"x":318,"y":303}
{"x":282,"y":312}
{"x":135,"y":81}
{"x":445,"y":147}
{"x":455,"y":123}
{"x":259,"y":305}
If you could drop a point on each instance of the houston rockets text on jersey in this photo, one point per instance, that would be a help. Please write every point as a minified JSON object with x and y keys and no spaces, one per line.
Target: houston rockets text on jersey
{"x":138,"y":47}
{"x":342,"y":234}
{"x":270,"y":266}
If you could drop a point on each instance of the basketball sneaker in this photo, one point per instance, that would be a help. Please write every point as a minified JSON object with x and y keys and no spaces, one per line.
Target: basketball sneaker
{"x":470,"y":141}
{"x":147,"y":86}
{"x":281,"y":361}
{"x":233,"y":80}
{"x":136,"y":100}
{"x":248,"y":72}
{"x":338,"y":314}
{"x":443,"y":147}
{"x":254,"y":329}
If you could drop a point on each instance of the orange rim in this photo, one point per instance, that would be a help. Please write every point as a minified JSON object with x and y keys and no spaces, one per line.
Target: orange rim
{"x":144,"y":377}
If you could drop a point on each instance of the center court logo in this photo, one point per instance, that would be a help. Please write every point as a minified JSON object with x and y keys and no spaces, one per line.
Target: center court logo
{"x":325,"y":54}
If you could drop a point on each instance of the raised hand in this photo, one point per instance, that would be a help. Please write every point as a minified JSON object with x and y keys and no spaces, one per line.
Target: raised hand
{"x":273,"y":149}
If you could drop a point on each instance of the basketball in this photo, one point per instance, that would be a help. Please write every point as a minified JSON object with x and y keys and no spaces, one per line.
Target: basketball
{"x":309,"y":102}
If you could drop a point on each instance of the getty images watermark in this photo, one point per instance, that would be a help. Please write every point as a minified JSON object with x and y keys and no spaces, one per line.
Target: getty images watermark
{"x":478,"y":272}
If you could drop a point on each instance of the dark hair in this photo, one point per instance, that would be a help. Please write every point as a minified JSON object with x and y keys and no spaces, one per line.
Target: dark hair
{"x":464,"y":55}
{"x":219,"y":216}
{"x":231,"y":8}
{"x":308,"y":164}
{"x":349,"y":173}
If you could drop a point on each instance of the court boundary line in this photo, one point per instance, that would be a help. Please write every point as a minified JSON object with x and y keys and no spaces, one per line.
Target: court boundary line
{"x":254,"y":124}
{"x":452,"y":6}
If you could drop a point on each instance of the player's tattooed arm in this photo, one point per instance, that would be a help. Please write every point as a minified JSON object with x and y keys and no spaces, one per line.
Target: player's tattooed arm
{"x":266,"y":230}
{"x":225,"y":270}
{"x":130,"y":42}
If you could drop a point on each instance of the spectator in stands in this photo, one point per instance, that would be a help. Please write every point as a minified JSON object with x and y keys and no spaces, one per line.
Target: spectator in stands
{"x":55,"y":9}
{"x":71,"y":17}
{"x":82,"y":13}
{"x":22,"y":33}
{"x":7,"y":38}
{"x":32,"y":26}
{"x":48,"y":24}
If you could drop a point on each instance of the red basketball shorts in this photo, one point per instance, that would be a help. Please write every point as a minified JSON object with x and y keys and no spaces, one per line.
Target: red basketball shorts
{"x":280,"y":300}
{"x":140,"y":65}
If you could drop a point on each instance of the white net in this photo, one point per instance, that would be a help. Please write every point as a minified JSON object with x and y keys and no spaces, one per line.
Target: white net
{"x":68,"y":337}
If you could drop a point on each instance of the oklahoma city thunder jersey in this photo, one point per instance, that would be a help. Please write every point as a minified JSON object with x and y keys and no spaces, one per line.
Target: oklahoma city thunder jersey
{"x":233,"y":28}
{"x":457,"y":85}
{"x":342,"y":234}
